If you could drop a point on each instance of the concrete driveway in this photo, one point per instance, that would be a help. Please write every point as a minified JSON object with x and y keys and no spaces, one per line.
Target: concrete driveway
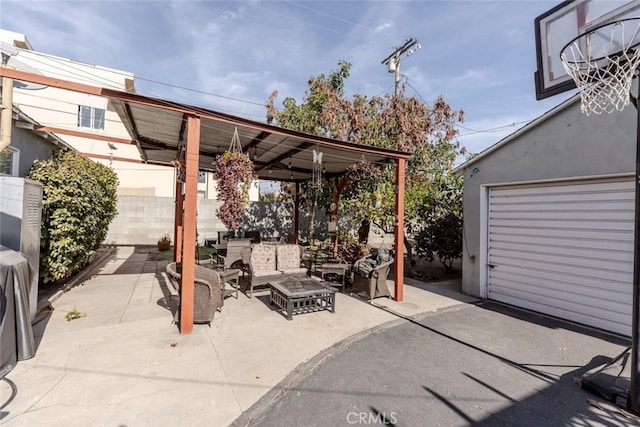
{"x":482,"y":364}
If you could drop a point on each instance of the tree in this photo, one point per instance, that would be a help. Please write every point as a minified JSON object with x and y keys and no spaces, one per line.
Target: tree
{"x":441,"y":233}
{"x":393,"y":121}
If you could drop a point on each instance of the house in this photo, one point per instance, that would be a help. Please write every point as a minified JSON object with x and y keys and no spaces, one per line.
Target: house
{"x":27,"y":145}
{"x":549,"y":217}
{"x":145,"y":188}
{"x":66,"y":113}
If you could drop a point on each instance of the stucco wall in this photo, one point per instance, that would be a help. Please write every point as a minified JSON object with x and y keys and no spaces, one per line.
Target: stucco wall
{"x":142,"y":220}
{"x":32,"y":147}
{"x":568,"y":144}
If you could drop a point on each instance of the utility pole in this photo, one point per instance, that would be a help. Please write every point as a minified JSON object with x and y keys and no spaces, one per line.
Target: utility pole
{"x":393,"y":61}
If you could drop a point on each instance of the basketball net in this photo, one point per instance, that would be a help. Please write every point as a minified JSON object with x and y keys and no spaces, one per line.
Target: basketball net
{"x":603,"y":63}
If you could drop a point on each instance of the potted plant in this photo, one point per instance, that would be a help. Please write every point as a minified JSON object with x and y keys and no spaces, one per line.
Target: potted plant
{"x":165,"y":242}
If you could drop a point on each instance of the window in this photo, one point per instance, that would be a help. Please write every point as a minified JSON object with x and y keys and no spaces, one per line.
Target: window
{"x":9,"y":161}
{"x":90,"y":117}
{"x":202,"y":177}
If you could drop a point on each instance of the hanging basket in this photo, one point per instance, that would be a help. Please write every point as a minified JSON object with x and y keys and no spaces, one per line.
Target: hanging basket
{"x":234,"y":173}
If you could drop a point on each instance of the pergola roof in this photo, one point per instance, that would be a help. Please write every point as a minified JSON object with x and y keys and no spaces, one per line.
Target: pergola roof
{"x":161,"y":129}
{"x":278,"y":154}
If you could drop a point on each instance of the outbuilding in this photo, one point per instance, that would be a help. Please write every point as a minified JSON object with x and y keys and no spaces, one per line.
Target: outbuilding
{"x":549,"y":217}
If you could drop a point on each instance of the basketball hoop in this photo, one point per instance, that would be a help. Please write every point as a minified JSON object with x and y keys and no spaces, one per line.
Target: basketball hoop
{"x":603,"y":63}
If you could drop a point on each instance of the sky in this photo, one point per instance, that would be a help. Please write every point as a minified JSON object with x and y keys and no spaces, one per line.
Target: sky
{"x":230,"y":56}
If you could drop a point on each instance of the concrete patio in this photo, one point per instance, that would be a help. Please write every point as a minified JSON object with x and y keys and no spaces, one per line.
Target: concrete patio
{"x":124,"y":362}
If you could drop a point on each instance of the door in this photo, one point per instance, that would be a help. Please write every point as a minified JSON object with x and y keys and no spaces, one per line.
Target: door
{"x":564,"y":249}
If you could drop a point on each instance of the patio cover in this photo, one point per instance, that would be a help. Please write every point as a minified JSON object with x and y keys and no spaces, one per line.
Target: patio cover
{"x":162,"y":128}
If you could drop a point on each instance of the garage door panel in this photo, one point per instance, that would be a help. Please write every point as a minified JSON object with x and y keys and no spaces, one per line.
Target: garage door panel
{"x":601,"y":269}
{"x":585,"y":188}
{"x":594,"y":224}
{"x":565,"y":199}
{"x":580,"y":235}
{"x":574,"y":206}
{"x":614,"y":311}
{"x":594,"y":296}
{"x":610,"y":310}
{"x":617,"y":325}
{"x":573,"y":215}
{"x":601,"y":245}
{"x":564,"y":250}
{"x":615,"y":257}
{"x":619,"y":290}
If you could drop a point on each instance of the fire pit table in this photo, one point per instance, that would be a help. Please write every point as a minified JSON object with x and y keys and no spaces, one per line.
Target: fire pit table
{"x":303,"y":294}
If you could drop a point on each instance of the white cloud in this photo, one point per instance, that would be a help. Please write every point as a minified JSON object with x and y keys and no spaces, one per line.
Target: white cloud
{"x":380,"y":28}
{"x":480,"y":55}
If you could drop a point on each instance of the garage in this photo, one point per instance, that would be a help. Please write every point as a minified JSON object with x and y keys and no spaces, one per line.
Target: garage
{"x":564,"y":249}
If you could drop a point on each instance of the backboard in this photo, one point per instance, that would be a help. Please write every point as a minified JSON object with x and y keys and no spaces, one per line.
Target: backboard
{"x":561,"y":24}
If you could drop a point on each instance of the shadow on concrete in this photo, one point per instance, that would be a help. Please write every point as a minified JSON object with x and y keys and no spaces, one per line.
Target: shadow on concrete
{"x":468,"y":366}
{"x":449,"y":288}
{"x":170,"y":300}
{"x":13,"y":394}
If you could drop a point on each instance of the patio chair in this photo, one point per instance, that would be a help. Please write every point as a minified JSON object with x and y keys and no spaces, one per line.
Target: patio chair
{"x":233,"y":255}
{"x":254,"y":236}
{"x":207,"y":294}
{"x":370,"y":275}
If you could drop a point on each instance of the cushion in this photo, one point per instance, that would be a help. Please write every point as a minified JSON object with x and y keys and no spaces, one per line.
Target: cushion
{"x":265,"y":273}
{"x":288,"y":257}
{"x":366,"y":267}
{"x":383,"y":256}
{"x":263,"y":258}
{"x":295,"y":271}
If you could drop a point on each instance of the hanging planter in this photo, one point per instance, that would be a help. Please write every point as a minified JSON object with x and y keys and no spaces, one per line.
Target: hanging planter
{"x":234,"y":174}
{"x":363,"y":174}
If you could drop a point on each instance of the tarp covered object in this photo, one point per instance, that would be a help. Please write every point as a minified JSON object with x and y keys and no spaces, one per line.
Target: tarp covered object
{"x":16,"y":334}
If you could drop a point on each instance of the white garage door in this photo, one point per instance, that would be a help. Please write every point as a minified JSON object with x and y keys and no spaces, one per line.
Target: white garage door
{"x":564,"y":250}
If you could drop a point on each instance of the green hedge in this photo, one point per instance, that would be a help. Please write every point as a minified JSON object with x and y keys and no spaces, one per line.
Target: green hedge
{"x":79,"y":203}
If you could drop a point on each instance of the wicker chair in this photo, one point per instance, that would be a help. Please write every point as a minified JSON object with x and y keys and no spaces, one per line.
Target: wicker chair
{"x":207,"y":294}
{"x":371,"y":281}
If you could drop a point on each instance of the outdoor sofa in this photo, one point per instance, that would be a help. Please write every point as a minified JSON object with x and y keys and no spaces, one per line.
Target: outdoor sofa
{"x":269,"y":263}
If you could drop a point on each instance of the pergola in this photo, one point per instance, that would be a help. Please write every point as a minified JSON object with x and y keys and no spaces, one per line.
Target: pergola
{"x":165,"y":131}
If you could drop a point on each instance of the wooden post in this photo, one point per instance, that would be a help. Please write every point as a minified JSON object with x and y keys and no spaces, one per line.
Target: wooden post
{"x":339,"y":188}
{"x":178,"y":220}
{"x":296,"y":213}
{"x":190,"y":218}
{"x":399,"y":242}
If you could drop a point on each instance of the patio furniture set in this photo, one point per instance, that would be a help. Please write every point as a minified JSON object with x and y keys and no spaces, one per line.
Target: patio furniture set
{"x":280,"y":267}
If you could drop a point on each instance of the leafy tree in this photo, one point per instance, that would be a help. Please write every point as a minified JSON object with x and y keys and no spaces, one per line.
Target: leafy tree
{"x":441,"y":233}
{"x":79,"y":203}
{"x":391,"y":121}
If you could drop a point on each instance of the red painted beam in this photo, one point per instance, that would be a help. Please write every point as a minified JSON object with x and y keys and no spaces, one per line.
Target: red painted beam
{"x":190,"y":207}
{"x":399,"y":243}
{"x":89,"y":135}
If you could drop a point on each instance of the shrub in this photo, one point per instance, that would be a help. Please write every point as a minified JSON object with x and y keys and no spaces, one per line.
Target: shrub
{"x":441,"y":233}
{"x":79,"y":203}
{"x":442,"y":237}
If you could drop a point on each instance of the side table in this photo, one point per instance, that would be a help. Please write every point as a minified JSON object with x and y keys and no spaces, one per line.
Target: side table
{"x":232,"y":277}
{"x":335,"y":268}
